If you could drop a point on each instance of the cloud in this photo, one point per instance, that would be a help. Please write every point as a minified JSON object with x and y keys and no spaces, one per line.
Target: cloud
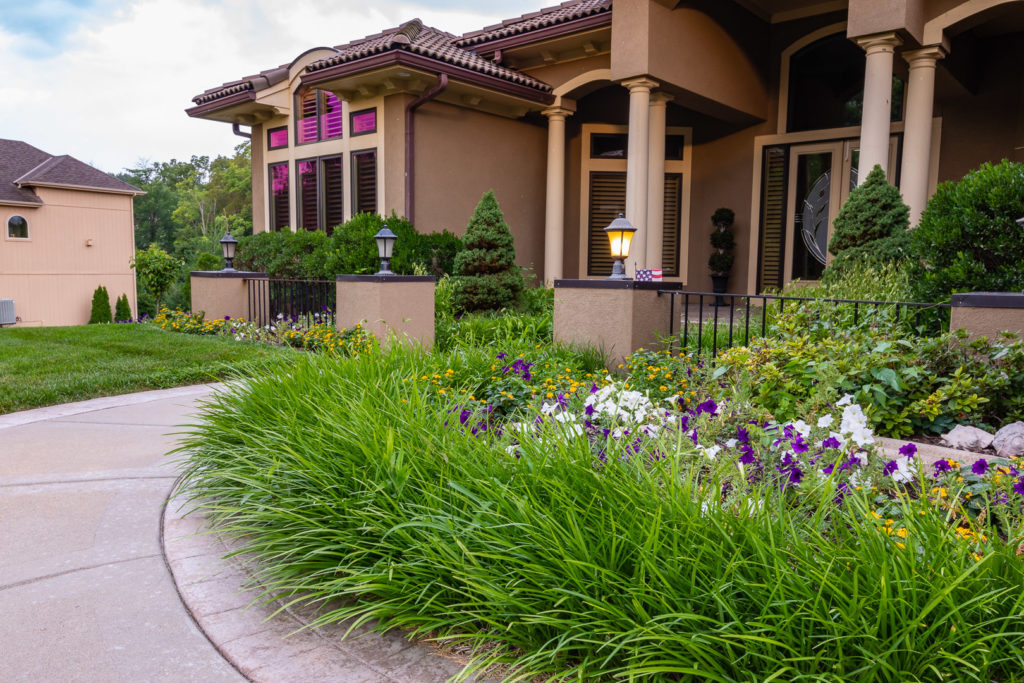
{"x":108,"y":82}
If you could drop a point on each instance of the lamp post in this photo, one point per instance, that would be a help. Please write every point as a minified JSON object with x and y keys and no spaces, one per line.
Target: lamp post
{"x":385,"y":246}
{"x":227,"y":247}
{"x":620,"y":235}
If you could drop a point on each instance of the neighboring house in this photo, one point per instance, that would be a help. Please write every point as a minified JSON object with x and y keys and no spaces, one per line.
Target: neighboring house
{"x":662,"y":109}
{"x":67,"y":229}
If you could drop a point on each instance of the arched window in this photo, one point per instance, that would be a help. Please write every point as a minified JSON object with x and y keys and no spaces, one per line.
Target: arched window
{"x":318,"y":116}
{"x":826,"y":86}
{"x":17,"y":228}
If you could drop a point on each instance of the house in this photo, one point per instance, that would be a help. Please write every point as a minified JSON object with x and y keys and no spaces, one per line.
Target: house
{"x":662,"y":109}
{"x":67,"y":229}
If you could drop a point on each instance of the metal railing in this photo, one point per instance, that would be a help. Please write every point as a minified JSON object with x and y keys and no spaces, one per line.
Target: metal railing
{"x":307,"y":301}
{"x":715,"y":322}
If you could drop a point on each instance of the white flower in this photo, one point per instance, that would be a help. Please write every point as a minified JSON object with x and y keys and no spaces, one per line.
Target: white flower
{"x":802,"y":428}
{"x":825,"y":422}
{"x":845,"y":400}
{"x":617,"y":433}
{"x":711,"y":452}
{"x":512,"y":450}
{"x":548,"y":408}
{"x":565,"y":417}
{"x":731,"y":443}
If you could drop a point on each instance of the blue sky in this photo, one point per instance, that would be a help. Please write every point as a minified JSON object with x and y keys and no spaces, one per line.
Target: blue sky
{"x":107,"y":81}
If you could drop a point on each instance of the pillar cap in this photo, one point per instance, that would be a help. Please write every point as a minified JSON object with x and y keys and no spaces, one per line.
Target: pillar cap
{"x":880,"y":42}
{"x":229,"y":274}
{"x":929,"y":53}
{"x":559,"y":111}
{"x":615,"y":284}
{"x":385,"y":278}
{"x":639,"y":83}
{"x":661,"y":97}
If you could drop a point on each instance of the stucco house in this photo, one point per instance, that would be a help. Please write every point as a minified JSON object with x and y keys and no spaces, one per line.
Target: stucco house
{"x":67,"y":229}
{"x":663,"y":109}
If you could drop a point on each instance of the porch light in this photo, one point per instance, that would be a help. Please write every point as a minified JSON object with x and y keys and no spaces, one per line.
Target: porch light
{"x":227,"y":247}
{"x":385,"y":246}
{"x":620,"y":235}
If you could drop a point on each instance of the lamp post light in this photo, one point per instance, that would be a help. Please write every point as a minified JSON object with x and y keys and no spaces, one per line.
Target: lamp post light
{"x":620,"y":235}
{"x":385,"y":247}
{"x":227,"y":247}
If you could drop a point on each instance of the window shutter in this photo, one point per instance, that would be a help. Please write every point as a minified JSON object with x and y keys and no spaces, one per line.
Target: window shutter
{"x":671,"y":224}
{"x":279,"y":208}
{"x":306,"y":123}
{"x":330,"y":119}
{"x":307,"y":195}
{"x":334,"y":214}
{"x":365,"y":178}
{"x":607,"y":201}
{"x":773,"y":219}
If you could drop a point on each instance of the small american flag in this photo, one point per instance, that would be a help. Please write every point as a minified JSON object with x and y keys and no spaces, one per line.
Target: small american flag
{"x":648,"y":275}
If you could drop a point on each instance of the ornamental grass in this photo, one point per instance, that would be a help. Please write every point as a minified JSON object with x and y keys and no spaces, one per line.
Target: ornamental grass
{"x":600,"y":536}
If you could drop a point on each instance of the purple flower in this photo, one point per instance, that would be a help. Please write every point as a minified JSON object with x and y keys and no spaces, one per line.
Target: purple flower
{"x":502,"y":356}
{"x":605,"y":432}
{"x":593,"y":388}
{"x":709,"y":406}
{"x":795,"y":475}
{"x":227,"y":317}
{"x":563,"y":401}
{"x":828,"y":470}
{"x":693,"y":436}
{"x":942,"y":466}
{"x":831,"y":442}
{"x":464,"y":416}
{"x":589,"y":410}
{"x":742,"y":435}
{"x":748,"y":454}
{"x":1018,"y":487}
{"x":980,"y":466}
{"x":890,"y":467}
{"x":799,"y":445}
{"x":908,"y":450}
{"x":684,"y":421}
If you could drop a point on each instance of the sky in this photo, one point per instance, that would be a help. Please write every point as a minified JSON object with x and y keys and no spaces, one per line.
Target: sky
{"x":107,"y":81}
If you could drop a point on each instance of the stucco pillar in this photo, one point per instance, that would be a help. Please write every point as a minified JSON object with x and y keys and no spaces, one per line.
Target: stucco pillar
{"x":877,"y":107}
{"x":554,"y":211}
{"x":637,"y":168}
{"x":656,"y":178}
{"x":917,"y":135}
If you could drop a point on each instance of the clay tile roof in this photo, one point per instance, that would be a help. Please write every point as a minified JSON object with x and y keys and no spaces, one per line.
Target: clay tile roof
{"x":429,"y":42}
{"x":258,"y":81}
{"x":22,"y":166}
{"x":549,"y":16}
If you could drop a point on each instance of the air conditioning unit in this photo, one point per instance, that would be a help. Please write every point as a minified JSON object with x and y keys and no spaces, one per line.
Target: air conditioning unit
{"x":7,"y":316}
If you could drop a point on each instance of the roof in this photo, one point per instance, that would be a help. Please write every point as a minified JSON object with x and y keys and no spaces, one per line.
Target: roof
{"x":415,"y":37}
{"x":549,"y":16}
{"x":23,"y":166}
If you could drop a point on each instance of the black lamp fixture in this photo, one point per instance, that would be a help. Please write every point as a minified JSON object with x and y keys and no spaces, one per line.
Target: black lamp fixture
{"x":620,"y":235}
{"x":227,"y":247}
{"x":385,"y":247}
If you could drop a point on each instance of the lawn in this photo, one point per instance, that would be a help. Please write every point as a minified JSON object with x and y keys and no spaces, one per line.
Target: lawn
{"x":49,"y":365}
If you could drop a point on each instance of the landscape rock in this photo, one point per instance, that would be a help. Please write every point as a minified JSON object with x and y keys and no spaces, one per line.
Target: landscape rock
{"x":967,"y":438}
{"x":1009,"y":440}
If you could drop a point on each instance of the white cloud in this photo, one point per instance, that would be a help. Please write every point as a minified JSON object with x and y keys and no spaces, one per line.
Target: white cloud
{"x":115,"y":88}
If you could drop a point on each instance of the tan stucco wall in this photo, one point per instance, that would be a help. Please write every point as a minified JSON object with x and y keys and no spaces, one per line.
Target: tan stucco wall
{"x":259,"y":178}
{"x":78,"y":240}
{"x":987,"y":322}
{"x":404,"y":309}
{"x":557,"y":74}
{"x":394,"y":152}
{"x":217,"y":297}
{"x":460,"y":154}
{"x":880,"y":16}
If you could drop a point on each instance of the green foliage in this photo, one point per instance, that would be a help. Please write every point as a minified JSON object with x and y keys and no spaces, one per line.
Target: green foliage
{"x":723,"y":239}
{"x":289,"y":255}
{"x":157,"y":269}
{"x":437,"y":252}
{"x":100,"y":306}
{"x":968,"y":238}
{"x":721,"y":260}
{"x":486,"y":274}
{"x":354,"y":250}
{"x":864,"y":281}
{"x":208,"y":261}
{"x":873,"y":211}
{"x":723,"y":217}
{"x":894,"y":249}
{"x":122,"y":309}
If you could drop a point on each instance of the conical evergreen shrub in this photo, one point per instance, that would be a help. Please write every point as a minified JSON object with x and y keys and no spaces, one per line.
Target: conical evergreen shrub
{"x":486,"y":276}
{"x":122,"y":309}
{"x":100,"y":306}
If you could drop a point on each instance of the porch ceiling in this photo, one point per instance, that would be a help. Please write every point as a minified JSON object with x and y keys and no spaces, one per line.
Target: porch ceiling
{"x":778,"y":10}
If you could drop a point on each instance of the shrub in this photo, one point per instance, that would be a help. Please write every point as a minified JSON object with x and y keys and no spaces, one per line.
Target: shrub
{"x":437,"y":252}
{"x":486,"y":275}
{"x":122,"y":309}
{"x":157,"y":269}
{"x":285,"y":254}
{"x":208,"y":261}
{"x":968,"y":238}
{"x":721,"y":260}
{"x":100,"y":306}
{"x":354,"y":251}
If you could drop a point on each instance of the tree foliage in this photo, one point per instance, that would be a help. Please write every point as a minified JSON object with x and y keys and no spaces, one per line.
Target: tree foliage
{"x":157,"y":269}
{"x":100,"y":306}
{"x":486,"y":274}
{"x":122,"y":309}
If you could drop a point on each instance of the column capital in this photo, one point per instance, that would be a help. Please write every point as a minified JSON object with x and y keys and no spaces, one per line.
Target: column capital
{"x":640,"y":83}
{"x":880,"y":42}
{"x":924,"y":57}
{"x":661,"y":98}
{"x":558,"y":112}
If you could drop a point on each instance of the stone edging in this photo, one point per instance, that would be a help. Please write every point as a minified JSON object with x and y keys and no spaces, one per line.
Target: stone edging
{"x":269,"y":642}
{"x":929,"y":453}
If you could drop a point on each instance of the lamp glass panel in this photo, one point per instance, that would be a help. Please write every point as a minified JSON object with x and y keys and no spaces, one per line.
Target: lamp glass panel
{"x":229,"y":249}
{"x":620,"y":241}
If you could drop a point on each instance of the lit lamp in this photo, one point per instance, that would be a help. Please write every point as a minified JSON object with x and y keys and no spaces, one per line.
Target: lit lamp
{"x":620,"y":235}
{"x":227,"y":247}
{"x":385,"y":246}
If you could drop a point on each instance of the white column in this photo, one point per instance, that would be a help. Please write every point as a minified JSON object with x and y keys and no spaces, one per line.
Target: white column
{"x":636,"y":169}
{"x":656,"y":178}
{"x":554,"y":211}
{"x":917,"y":132}
{"x":877,"y":107}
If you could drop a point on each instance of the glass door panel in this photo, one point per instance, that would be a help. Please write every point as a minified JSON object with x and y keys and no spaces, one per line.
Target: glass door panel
{"x":815,"y":179}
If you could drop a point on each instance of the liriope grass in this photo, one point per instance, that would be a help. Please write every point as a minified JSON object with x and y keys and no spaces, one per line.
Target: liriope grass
{"x":344,"y":482}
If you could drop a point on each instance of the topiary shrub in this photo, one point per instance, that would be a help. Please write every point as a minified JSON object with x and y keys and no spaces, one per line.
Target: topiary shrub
{"x":122,"y":309}
{"x":722,"y":240}
{"x":486,"y":274}
{"x":969,"y":238}
{"x":100,"y":307}
{"x":871,"y":226}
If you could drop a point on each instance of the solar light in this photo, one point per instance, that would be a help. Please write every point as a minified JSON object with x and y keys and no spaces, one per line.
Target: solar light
{"x":227,"y":247}
{"x":385,"y":247}
{"x":620,"y":236}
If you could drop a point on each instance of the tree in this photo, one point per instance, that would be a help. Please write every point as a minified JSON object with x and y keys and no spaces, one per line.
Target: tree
{"x":157,"y":269}
{"x":486,"y":275}
{"x":122,"y":309}
{"x":100,"y":306}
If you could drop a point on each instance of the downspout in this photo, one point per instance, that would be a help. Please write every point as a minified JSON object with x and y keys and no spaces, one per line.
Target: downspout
{"x":238,"y":131}
{"x":410,"y":156}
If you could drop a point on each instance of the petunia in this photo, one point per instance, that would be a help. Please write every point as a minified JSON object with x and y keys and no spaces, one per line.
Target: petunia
{"x":980,"y":466}
{"x":908,"y":450}
{"x":942,"y":466}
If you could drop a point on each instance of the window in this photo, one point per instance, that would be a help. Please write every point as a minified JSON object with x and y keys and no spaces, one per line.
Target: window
{"x":17,"y":228}
{"x":277,"y":137}
{"x":306,"y":194}
{"x":363,"y":122}
{"x":608,"y":145}
{"x":319,"y":194}
{"x":318,"y":116}
{"x":333,"y":204}
{"x":364,"y":181}
{"x":279,"y":206}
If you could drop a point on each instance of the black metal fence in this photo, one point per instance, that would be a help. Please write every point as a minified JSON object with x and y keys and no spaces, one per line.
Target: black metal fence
{"x":710,"y":322}
{"x":308,"y":301}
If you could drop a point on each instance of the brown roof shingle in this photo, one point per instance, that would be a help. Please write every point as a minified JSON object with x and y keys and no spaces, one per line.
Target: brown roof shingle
{"x":22,"y":166}
{"x":549,"y":16}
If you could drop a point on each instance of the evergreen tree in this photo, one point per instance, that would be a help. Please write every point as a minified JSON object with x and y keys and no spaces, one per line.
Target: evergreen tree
{"x":100,"y":306}
{"x":486,"y":276}
{"x":122,"y":309}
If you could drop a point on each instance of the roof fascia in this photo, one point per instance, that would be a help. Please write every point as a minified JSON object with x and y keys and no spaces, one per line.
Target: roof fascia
{"x":542,"y":34}
{"x":201,"y":110}
{"x":90,"y":188}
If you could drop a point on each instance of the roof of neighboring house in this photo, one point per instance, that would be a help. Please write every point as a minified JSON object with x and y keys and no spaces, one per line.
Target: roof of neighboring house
{"x":549,"y":16}
{"x":23,"y":166}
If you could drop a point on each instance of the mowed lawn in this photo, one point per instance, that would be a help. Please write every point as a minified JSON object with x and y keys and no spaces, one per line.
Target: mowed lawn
{"x":42,"y":366}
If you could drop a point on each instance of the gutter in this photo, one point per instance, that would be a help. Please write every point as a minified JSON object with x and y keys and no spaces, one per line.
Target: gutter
{"x":410,"y":156}
{"x":238,"y":131}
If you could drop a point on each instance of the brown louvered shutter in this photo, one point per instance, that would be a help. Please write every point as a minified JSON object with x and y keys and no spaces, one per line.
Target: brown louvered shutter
{"x":364,"y":172}
{"x":607,"y":200}
{"x":773,"y":219}
{"x":334,"y":214}
{"x":306,"y":123}
{"x":308,"y":190}
{"x":671,"y":224}
{"x":278,"y":196}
